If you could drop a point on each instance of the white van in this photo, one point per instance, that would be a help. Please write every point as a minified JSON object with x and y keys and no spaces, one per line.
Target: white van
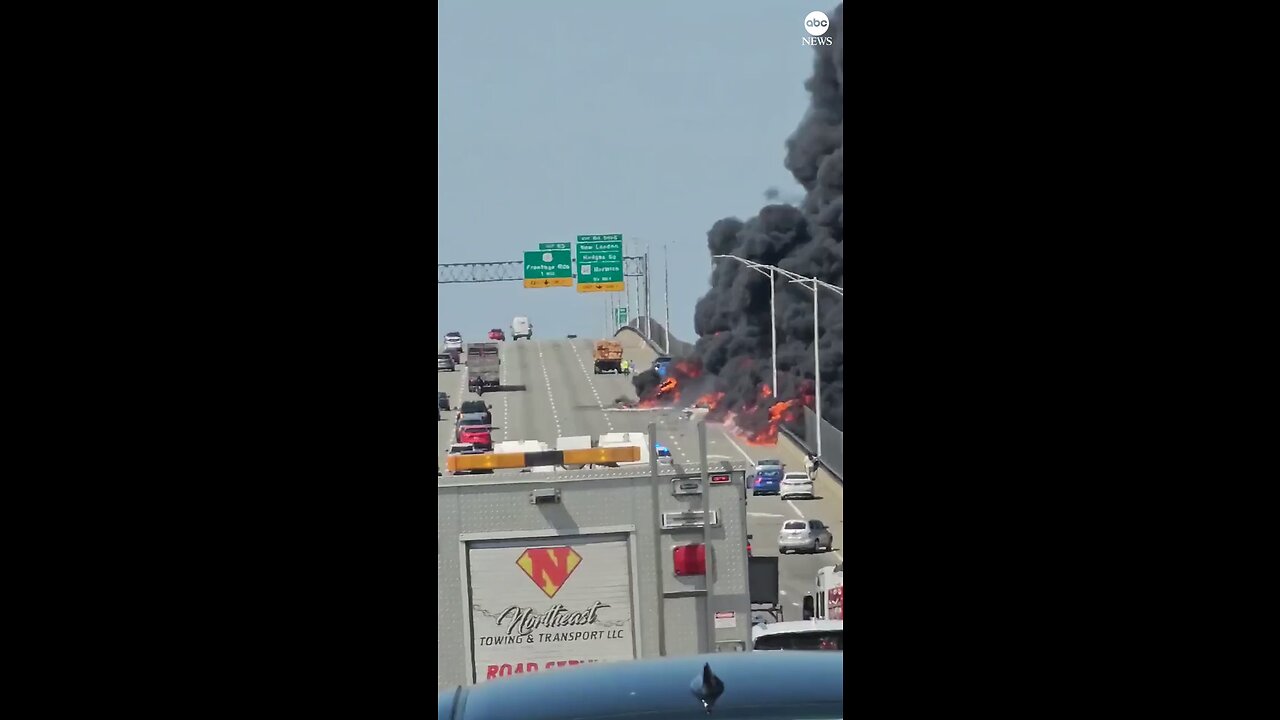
{"x":521,"y":328}
{"x":798,"y":635}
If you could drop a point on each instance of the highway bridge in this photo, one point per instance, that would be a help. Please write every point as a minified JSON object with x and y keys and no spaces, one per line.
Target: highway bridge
{"x":549,"y":390}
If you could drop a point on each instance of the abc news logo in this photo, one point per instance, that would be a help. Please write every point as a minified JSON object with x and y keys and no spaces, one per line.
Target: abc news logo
{"x":817,"y":25}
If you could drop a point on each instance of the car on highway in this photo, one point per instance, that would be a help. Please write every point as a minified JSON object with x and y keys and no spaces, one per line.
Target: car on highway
{"x":455,"y":353}
{"x":660,"y":365}
{"x":453,"y":340}
{"x":521,"y":328}
{"x":664,"y":453}
{"x":768,"y":478}
{"x":796,"y":484}
{"x":477,"y":407}
{"x":719,"y":686}
{"x":799,"y":635}
{"x":810,"y":535}
{"x":477,"y":435}
{"x":471,"y":419}
{"x":443,"y":400}
{"x":497,"y":334}
{"x":444,"y":361}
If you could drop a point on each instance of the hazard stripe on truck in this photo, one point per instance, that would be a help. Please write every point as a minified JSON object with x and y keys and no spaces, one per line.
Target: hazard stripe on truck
{"x":507,"y":461}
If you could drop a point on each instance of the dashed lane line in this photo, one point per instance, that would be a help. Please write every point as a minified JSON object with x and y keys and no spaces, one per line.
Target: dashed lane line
{"x":506,"y":406}
{"x":591,"y":385}
{"x":555,"y":415}
{"x":752,"y":462}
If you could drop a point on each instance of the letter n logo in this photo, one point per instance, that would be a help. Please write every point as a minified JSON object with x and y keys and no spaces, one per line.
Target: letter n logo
{"x":549,"y":567}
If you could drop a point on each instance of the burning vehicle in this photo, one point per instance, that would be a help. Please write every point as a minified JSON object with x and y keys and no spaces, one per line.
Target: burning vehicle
{"x":756,"y":421}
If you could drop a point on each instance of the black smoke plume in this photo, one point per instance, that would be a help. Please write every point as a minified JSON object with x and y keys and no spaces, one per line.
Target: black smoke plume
{"x":732,"y":319}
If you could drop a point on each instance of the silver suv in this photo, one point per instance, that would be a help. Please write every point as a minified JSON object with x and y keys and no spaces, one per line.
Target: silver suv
{"x":803,"y":535}
{"x":444,"y":361}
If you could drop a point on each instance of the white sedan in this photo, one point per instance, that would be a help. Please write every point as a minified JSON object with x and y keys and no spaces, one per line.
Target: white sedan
{"x":795,"y":484}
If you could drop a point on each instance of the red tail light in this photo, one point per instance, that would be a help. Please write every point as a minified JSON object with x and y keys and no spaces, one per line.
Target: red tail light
{"x":689,"y":560}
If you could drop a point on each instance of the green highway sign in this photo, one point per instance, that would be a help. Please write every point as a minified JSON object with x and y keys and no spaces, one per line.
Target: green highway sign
{"x":599,"y":263}
{"x":548,"y":268}
{"x":620,"y":316}
{"x":554,"y":246}
{"x":601,"y":247}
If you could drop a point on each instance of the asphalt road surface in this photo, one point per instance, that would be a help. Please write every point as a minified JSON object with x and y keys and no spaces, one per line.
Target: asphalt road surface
{"x":549,"y":391}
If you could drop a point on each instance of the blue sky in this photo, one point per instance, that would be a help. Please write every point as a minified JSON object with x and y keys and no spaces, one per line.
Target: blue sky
{"x":651,"y":118}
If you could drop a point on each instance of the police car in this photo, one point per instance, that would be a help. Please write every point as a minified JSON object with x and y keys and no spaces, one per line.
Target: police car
{"x":664,"y":454}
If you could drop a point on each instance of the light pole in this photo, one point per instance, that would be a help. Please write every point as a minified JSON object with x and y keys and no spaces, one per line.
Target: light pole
{"x":817,"y":368}
{"x":773,"y":318}
{"x":666,"y":302}
{"x":812,"y":284}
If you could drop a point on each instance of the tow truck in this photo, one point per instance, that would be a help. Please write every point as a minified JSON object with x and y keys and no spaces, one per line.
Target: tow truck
{"x":541,"y":572}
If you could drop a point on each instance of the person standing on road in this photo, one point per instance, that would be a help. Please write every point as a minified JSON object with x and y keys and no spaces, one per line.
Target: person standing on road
{"x":811,"y":465}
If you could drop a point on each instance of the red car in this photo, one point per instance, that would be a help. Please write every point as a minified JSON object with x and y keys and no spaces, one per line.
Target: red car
{"x":477,"y":435}
{"x":496,"y":334}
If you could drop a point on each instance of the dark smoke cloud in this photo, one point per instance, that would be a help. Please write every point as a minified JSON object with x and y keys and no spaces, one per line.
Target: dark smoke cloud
{"x":732,"y":319}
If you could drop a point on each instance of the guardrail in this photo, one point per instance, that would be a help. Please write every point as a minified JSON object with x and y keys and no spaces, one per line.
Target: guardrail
{"x":659,"y":340}
{"x":803,"y":435}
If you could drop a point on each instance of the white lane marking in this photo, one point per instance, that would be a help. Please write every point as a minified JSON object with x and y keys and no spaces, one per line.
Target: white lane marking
{"x":591,"y":385}
{"x":755,"y":514}
{"x":555,"y":415}
{"x":739,"y":447}
{"x":506,"y":406}
{"x":752,"y":462}
{"x":780,"y":591}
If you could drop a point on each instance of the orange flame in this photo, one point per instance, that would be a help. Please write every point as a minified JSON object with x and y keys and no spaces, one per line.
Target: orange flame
{"x":779,"y":412}
{"x":668,"y":393}
{"x":709,"y":401}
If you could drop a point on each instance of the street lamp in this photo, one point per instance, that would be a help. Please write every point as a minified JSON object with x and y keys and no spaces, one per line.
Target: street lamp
{"x":773,"y":321}
{"x":817,"y":371}
{"x":812,"y":284}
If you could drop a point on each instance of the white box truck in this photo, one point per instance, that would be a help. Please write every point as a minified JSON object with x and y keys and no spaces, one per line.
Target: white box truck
{"x":538,"y":573}
{"x":624,"y":439}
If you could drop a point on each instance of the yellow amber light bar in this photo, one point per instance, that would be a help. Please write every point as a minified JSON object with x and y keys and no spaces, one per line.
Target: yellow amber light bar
{"x":508,"y":461}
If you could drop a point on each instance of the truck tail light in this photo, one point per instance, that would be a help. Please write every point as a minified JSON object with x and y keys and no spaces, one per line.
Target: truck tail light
{"x":689,"y":559}
{"x":719,"y":479}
